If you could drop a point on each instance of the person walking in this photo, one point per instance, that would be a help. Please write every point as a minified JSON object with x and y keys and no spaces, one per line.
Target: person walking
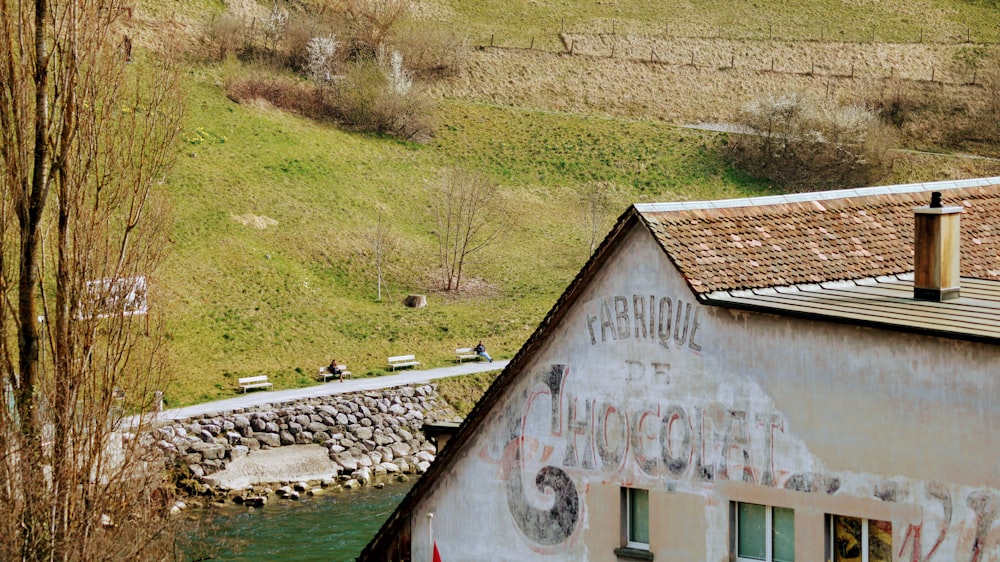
{"x":480,"y":350}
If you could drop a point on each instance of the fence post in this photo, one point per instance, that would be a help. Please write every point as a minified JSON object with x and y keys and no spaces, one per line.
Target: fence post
{"x":732,"y":61}
{"x":562,"y":24}
{"x":572,"y":44}
{"x":532,"y":47}
{"x":932,"y":74}
{"x":692,"y":58}
{"x":772,"y":65}
{"x":852,"y":70}
{"x":491,"y":39}
{"x":612,"y":50}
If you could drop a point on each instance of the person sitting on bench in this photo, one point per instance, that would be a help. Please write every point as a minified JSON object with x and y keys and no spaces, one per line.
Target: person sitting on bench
{"x":336,"y":370}
{"x":480,"y":350}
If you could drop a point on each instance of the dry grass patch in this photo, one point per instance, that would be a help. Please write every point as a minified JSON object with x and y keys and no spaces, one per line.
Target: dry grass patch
{"x":258,"y":222}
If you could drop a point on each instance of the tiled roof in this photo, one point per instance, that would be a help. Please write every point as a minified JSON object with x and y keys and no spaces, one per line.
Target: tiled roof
{"x":815,"y":238}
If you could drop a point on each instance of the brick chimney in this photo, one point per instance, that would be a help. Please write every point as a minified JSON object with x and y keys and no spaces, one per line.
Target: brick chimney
{"x":936,"y":251}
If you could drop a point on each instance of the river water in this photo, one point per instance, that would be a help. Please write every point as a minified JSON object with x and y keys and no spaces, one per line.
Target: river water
{"x":332,"y":527}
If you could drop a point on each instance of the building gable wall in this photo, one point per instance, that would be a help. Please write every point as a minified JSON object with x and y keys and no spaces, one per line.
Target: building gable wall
{"x":641,"y":386}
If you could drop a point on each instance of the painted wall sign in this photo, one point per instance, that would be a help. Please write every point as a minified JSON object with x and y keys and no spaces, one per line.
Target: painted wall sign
{"x":671,"y":322}
{"x":561,"y":435}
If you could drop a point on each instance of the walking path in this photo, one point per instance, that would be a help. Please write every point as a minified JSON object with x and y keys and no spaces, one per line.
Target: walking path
{"x":328,"y":389}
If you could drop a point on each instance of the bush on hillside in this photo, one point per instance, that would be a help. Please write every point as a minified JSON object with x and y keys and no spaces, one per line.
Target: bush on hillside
{"x":432,"y":51}
{"x":376,"y":95}
{"x":801,"y":143}
{"x":227,"y":32}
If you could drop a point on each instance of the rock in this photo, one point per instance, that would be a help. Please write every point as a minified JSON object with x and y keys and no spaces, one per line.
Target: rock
{"x":389,"y":467}
{"x":316,"y":492}
{"x":283,"y":491}
{"x":400,"y":449}
{"x":286,"y":438}
{"x":238,"y":452}
{"x":269,"y":439}
{"x":351,"y":484}
{"x":300,"y":486}
{"x":423,"y":466}
{"x":364,"y":433}
{"x":315,"y":427}
{"x":255,"y":501}
{"x":415,"y":301}
{"x":407,"y":391}
{"x":362,"y":475}
{"x":425,"y":456}
{"x":209,"y":450}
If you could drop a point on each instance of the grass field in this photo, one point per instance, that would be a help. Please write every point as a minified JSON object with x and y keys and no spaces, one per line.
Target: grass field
{"x":271,"y":272}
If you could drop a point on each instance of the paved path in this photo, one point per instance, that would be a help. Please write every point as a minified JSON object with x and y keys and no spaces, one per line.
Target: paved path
{"x":256,"y":398}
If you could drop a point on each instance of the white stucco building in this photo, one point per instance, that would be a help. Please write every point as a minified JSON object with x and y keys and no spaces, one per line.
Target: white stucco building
{"x":757,"y":379}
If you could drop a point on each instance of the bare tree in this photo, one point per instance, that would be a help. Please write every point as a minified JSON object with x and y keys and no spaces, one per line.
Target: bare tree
{"x":372,"y":22}
{"x":382,"y":245}
{"x":84,"y":139}
{"x":469,"y":214}
{"x":597,"y":201}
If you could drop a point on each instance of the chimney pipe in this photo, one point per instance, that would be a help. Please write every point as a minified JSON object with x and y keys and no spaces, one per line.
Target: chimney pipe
{"x":936,"y":251}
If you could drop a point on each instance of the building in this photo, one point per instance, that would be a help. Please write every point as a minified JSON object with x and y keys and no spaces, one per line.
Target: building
{"x":778,"y":378}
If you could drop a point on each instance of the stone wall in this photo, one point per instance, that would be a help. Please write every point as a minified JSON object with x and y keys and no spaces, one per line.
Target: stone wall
{"x":366,"y":433}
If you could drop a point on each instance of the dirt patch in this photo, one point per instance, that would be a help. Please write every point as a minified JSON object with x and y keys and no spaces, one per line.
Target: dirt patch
{"x":258,"y":222}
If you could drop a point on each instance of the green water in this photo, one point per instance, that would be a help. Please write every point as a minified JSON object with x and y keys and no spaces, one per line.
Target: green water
{"x":331,"y":528}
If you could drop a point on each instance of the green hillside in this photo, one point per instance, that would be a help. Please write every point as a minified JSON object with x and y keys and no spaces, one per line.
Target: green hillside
{"x":270,"y":269}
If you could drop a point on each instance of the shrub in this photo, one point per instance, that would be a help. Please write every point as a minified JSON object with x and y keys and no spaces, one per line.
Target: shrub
{"x":432,"y":50}
{"x":228,"y":34}
{"x":320,"y":56}
{"x":373,"y":97}
{"x":801,"y":143}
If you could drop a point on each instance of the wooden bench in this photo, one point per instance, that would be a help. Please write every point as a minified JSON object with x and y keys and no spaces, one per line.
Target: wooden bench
{"x":403,"y":361}
{"x":324,"y":373}
{"x":260,"y":381}
{"x":463,"y":353}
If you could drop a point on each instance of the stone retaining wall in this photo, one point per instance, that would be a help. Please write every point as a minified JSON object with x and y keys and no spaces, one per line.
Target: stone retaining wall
{"x":366,"y":433}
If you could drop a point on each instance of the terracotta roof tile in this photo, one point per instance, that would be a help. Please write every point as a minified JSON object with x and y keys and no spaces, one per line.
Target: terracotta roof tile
{"x":771,"y":244}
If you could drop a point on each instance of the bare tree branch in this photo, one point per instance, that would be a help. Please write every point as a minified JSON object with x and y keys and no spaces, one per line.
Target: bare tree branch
{"x":85,"y":135}
{"x":469,"y":214}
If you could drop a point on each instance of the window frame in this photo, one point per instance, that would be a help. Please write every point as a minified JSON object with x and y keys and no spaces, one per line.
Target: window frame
{"x":831,"y":533}
{"x":768,"y":531}
{"x":628,"y":500}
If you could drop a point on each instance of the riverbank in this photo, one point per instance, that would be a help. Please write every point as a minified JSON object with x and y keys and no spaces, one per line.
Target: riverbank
{"x":310,"y":441}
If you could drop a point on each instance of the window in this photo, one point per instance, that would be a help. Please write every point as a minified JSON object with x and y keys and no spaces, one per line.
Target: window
{"x":636,"y":518}
{"x":635,"y":525}
{"x":855,"y":539}
{"x":763,"y":533}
